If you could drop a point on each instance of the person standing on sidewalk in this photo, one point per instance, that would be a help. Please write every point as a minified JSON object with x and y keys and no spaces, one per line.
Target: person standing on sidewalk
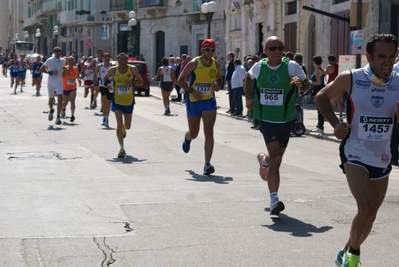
{"x":201,"y":102}
{"x":317,"y":82}
{"x":274,"y":107}
{"x":332,"y":72}
{"x":53,"y":67}
{"x":373,"y":92}
{"x":237,"y":81}
{"x":229,"y":74}
{"x":125,"y":77}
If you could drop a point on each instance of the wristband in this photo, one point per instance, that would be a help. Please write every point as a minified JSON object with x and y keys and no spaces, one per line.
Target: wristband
{"x":191,"y":90}
{"x":50,"y":73}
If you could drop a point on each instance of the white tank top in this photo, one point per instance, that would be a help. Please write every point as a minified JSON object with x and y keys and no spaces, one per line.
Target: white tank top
{"x":371,"y":110}
{"x":89,"y":74}
{"x":166,"y":76}
{"x":103,"y":71}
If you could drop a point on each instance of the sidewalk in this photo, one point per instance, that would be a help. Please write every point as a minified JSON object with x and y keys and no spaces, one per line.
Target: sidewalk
{"x":309,"y":113}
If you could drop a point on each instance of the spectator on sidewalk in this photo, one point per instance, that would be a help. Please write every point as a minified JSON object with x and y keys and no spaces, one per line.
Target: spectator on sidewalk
{"x":237,"y":81}
{"x":317,"y":83}
{"x":229,"y":74}
{"x":332,"y":72}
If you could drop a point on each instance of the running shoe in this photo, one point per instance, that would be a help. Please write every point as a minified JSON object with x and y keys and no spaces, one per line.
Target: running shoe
{"x":50,"y":115}
{"x":317,"y":130}
{"x":121,"y":154}
{"x":37,"y":94}
{"x":276,"y":208}
{"x":124,"y":133}
{"x":338,"y":259}
{"x":63,"y":113}
{"x":58,"y":121}
{"x":167,"y":111}
{"x":72,"y":118}
{"x":105,"y":122}
{"x":186,"y":145}
{"x":350,"y":260}
{"x":21,"y":90}
{"x":262,"y":168}
{"x":208,"y":169}
{"x":15,"y":92}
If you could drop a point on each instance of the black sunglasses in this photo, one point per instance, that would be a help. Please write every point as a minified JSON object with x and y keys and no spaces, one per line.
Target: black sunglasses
{"x":274,"y":48}
{"x":209,"y":50}
{"x":57,"y":50}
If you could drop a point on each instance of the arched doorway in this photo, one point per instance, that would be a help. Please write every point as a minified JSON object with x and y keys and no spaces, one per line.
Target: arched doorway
{"x":159,"y":49}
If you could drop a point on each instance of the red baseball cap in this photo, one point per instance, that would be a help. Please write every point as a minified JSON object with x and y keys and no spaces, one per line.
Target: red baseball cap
{"x":208,"y":43}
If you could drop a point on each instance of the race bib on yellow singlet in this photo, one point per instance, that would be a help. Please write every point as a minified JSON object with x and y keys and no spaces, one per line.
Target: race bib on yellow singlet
{"x":204,"y":88}
{"x":123,"y":89}
{"x":375,"y":128}
{"x":271,"y":97}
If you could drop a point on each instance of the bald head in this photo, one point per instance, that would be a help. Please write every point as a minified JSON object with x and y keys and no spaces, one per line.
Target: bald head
{"x":273,"y":39}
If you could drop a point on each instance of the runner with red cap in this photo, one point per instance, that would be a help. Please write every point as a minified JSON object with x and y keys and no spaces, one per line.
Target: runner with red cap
{"x":204,"y":79}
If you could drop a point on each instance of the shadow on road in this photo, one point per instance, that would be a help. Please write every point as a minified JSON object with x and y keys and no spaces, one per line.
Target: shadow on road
{"x":127,"y":160}
{"x":297,"y":228}
{"x":211,"y":178}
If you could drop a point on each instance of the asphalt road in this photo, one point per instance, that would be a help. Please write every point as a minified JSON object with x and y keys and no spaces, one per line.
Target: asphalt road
{"x":66,"y":199}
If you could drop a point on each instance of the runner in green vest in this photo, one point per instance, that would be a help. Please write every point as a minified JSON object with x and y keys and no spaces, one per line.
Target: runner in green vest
{"x":274,"y":107}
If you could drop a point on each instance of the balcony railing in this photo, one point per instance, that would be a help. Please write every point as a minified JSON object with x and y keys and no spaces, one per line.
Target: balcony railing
{"x":153,"y":3}
{"x":68,"y":17}
{"x":94,"y":18}
{"x":121,"y":5}
{"x":52,"y":6}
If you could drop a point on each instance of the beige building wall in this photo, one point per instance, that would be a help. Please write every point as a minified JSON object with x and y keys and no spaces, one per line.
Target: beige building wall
{"x":5,"y":25}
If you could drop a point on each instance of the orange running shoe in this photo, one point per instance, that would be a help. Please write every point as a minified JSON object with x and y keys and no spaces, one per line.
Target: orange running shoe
{"x":262,"y":168}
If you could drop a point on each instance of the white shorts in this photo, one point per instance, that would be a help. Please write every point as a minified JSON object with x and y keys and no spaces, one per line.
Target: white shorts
{"x":56,"y":87}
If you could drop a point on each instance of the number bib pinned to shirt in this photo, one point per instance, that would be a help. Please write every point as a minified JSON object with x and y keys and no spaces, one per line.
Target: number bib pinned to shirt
{"x":204,"y":88}
{"x":123,"y":89}
{"x":375,"y":128}
{"x":71,"y":81}
{"x":271,"y":97}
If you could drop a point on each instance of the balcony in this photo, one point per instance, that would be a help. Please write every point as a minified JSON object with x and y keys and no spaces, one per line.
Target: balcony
{"x":94,"y":18}
{"x":121,"y":8}
{"x":51,"y":7}
{"x":31,"y":23}
{"x":69,"y":17}
{"x":154,"y":7}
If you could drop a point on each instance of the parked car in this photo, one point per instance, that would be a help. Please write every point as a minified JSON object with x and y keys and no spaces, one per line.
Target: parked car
{"x":143,"y":70}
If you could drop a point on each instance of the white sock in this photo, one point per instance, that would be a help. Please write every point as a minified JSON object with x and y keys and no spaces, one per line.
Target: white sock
{"x":274,"y":198}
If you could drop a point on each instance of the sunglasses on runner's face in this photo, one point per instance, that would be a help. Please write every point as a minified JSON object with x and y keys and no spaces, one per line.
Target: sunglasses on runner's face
{"x":209,"y":50}
{"x":57,"y":50}
{"x":274,"y":48}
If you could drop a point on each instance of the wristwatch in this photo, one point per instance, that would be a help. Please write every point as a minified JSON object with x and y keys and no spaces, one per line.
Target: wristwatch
{"x":191,"y":90}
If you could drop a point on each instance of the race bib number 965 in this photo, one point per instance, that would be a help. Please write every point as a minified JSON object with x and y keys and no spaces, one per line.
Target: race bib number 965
{"x":375,"y":128}
{"x":271,"y":97}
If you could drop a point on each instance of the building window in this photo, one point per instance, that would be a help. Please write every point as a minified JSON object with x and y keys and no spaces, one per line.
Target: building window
{"x":339,"y":1}
{"x":290,"y":8}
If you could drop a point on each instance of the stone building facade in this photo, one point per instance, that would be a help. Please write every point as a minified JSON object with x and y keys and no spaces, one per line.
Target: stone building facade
{"x":174,"y":27}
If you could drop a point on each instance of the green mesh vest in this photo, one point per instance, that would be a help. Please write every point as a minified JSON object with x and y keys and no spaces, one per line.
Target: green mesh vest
{"x":275,"y":96}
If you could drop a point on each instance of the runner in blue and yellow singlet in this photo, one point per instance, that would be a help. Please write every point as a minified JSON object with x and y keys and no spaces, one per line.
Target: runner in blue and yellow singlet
{"x":125,"y":77}
{"x":204,"y":79}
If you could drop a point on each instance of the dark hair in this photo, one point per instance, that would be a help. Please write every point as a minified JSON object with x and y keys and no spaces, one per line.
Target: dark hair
{"x":317,"y":60}
{"x":165,"y":61}
{"x":231,"y":54}
{"x":263,"y":55}
{"x":331,"y":57}
{"x":290,"y":55}
{"x":237,"y":61}
{"x":383,"y":37}
{"x":298,"y":57}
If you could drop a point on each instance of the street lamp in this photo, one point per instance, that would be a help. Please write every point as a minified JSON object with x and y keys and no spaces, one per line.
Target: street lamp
{"x":38,"y":35}
{"x":208,"y":9}
{"x":26,"y":35}
{"x":55,"y":33}
{"x":132,"y":22}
